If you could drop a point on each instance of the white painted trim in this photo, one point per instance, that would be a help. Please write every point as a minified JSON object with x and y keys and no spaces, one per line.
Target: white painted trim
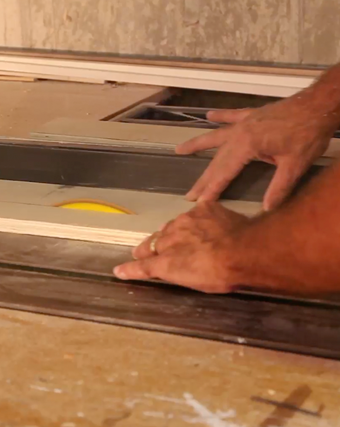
{"x":239,"y":82}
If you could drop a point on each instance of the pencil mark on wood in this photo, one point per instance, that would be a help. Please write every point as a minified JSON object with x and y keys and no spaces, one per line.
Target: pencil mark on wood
{"x":284,"y":411}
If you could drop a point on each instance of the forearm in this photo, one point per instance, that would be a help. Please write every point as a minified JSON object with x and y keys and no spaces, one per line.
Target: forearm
{"x":321,"y":99}
{"x":297,"y":247}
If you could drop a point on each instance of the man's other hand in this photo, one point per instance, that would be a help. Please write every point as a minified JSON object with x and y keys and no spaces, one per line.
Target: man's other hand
{"x":289,"y":134}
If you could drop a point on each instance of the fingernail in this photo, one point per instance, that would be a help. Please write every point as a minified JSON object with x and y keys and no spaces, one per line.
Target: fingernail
{"x":119,"y":273}
{"x":190,"y":197}
{"x":161,"y":228}
{"x":266,"y":207}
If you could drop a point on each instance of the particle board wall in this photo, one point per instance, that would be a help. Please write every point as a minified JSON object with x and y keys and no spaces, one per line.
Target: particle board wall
{"x":320,"y":37}
{"x":260,"y":30}
{"x":287,"y":31}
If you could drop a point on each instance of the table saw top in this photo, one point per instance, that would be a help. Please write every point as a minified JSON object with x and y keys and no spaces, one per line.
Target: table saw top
{"x":71,"y":373}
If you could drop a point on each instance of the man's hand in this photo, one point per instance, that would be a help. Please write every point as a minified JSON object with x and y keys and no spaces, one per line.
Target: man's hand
{"x":197,"y":250}
{"x":294,"y":249}
{"x":290,"y":134}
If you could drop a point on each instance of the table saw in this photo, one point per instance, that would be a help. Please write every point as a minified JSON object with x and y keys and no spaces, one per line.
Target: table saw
{"x":142,"y":353}
{"x":73,"y":278}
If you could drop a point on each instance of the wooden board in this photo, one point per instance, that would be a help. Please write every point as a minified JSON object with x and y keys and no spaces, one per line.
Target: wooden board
{"x":17,"y":78}
{"x":130,"y":136}
{"x":95,"y":374}
{"x":252,"y":83}
{"x":24,"y":108}
{"x":28,"y":208}
{"x":199,"y":64}
{"x":33,"y":77}
{"x":115,"y":134}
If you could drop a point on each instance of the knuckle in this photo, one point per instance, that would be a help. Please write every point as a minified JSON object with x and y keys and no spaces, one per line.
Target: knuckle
{"x":206,"y":205}
{"x":167,"y":228}
{"x":165,"y":243}
{"x":217,"y":186}
{"x":143,"y":269}
{"x":183,"y":219}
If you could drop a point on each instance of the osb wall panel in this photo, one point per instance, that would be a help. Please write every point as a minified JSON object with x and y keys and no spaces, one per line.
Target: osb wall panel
{"x":320,"y":37}
{"x":261,"y":30}
{"x":11,"y":20}
{"x":264,"y":30}
{"x":286,"y":31}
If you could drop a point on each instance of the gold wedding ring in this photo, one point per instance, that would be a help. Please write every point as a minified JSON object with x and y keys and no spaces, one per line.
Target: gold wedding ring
{"x":153,"y":245}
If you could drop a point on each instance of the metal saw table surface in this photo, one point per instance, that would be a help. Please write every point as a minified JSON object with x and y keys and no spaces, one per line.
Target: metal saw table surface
{"x":65,"y":372}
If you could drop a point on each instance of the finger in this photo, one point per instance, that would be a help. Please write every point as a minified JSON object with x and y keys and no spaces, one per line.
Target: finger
{"x":201,"y":209}
{"x":163,"y":241}
{"x":229,"y":116}
{"x":171,"y":269}
{"x":144,"y":249}
{"x":150,"y":268}
{"x":286,"y":176}
{"x":222,"y":170}
{"x":205,"y":142}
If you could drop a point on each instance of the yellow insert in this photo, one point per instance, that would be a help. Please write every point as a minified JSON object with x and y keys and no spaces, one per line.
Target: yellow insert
{"x":94,"y":205}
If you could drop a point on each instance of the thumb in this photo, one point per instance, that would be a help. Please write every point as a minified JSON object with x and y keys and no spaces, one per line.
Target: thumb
{"x":229,"y":116}
{"x":286,"y":176}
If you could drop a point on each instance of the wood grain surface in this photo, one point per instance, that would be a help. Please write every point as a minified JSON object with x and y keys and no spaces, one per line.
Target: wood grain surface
{"x":130,"y":136}
{"x":26,"y":106}
{"x":33,"y":209}
{"x":191,"y":28}
{"x":69,"y":372}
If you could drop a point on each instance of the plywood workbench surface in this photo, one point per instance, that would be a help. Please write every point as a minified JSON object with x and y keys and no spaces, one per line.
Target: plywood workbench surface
{"x":26,"y":106}
{"x":63,"y":373}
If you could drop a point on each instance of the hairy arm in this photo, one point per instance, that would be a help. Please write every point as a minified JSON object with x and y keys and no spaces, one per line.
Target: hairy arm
{"x":323,"y":97}
{"x":297,"y":247}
